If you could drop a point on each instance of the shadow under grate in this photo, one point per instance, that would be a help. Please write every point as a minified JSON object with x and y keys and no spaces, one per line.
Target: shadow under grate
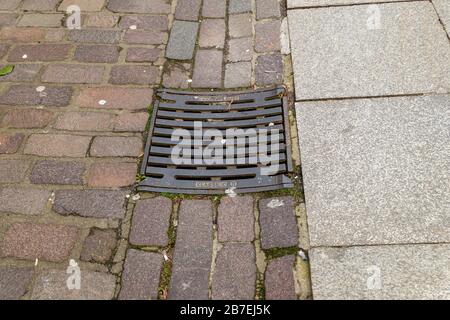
{"x":218,"y":142}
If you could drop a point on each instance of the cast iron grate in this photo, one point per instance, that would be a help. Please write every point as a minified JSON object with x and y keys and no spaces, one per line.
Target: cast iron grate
{"x":245,"y":167}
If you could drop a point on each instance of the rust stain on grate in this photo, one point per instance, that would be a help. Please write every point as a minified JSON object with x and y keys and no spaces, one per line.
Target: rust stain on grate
{"x":190,"y":149}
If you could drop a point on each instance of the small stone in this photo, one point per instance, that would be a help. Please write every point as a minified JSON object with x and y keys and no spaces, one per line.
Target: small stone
{"x":112,"y":175}
{"x":269,"y":69}
{"x":160,"y":23}
{"x":278,"y":224}
{"x":129,"y":74}
{"x":90,"y":203}
{"x":182,"y":40}
{"x":131,"y":122}
{"x":10,"y":142}
{"x":52,"y":285}
{"x":279,"y":279}
{"x":116,"y":147}
{"x":235,"y":275}
{"x":240,"y":49}
{"x":27,"y":95}
{"x":115,"y":98}
{"x":57,"y":145}
{"x":57,"y":172}
{"x":140,"y":276}
{"x":236,"y":219}
{"x":240,"y":25}
{"x":151,"y":220}
{"x":239,"y":6}
{"x":26,"y":118}
{"x":154,"y":37}
{"x":39,"y":52}
{"x":212,"y":33}
{"x":99,"y":245}
{"x":73,"y":73}
{"x":97,"y":53}
{"x":143,"y":54}
{"x":238,"y":74}
{"x":23,"y":201}
{"x":94,"y":36}
{"x":188,"y":10}
{"x":14,"y":282}
{"x":47,"y":242}
{"x":208,"y":69}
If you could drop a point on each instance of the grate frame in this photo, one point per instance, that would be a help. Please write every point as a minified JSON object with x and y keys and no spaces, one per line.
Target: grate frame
{"x":195,"y":105}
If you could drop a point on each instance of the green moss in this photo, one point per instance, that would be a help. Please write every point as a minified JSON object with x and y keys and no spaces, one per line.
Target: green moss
{"x":279,"y":252}
{"x":260,"y":288}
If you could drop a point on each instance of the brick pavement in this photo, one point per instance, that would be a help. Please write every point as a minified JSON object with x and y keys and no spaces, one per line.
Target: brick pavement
{"x":74,"y":115}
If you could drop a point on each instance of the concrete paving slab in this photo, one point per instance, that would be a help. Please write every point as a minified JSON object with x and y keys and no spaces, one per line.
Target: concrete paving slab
{"x":356,"y":51}
{"x":376,"y":171}
{"x":324,"y":3}
{"x":443,"y":9}
{"x":381,"y":272}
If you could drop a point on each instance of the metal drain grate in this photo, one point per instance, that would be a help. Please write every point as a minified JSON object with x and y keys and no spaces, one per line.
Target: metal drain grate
{"x":214,"y":143}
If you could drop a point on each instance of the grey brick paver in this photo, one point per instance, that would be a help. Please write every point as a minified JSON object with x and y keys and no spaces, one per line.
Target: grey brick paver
{"x":236,"y":219}
{"x":57,"y":172}
{"x":182,"y":40}
{"x":279,"y":279}
{"x":99,"y":245}
{"x":193,"y":251}
{"x":208,"y":69}
{"x":188,"y":10}
{"x":14,"y":282}
{"x":23,"y":200}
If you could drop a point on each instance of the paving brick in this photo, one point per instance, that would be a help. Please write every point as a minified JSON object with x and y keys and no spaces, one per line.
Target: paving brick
{"x":21,"y":73}
{"x":85,"y":5}
{"x":10,"y":142}
{"x":95,"y":36}
{"x":23,"y":201}
{"x":48,"y":242}
{"x":416,"y":56}
{"x":57,"y":172}
{"x":143,"y":54}
{"x":401,"y":172}
{"x":160,"y":23}
{"x":267,"y":9}
{"x":10,"y":5}
{"x":101,"y":20}
{"x":90,"y":203}
{"x":238,"y":74}
{"x":97,"y":53}
{"x":140,"y":277}
{"x":236,"y":219}
{"x":116,"y":147}
{"x":84,"y":121}
{"x":381,"y":272}
{"x":3,"y":49}
{"x":41,"y":20}
{"x":39,"y":5}
{"x":7,"y":19}
{"x":13,"y":171}
{"x":188,"y":10}
{"x":269,"y":69}
{"x":212,"y":33}
{"x":234,"y":277}
{"x":193,"y":251}
{"x":208,"y":69}
{"x":139,"y":6}
{"x":267,"y":36}
{"x":26,"y":118}
{"x":55,"y":35}
{"x":182,"y":40}
{"x":151,"y":220}
{"x":214,"y":9}
{"x":73,"y":73}
{"x":99,"y":245}
{"x":22,"y":34}
{"x":279,"y":279}
{"x":112,"y":175}
{"x":240,"y":49}
{"x":52,"y":285}
{"x":278,"y":223}
{"x":177,"y":76}
{"x":115,"y":98}
{"x":239,"y":6}
{"x":133,"y":74}
{"x":240,"y":25}
{"x":57,"y":145}
{"x":145,"y":37}
{"x":131,"y":122}
{"x":39,"y":52}
{"x":14,"y":282}
{"x":27,"y":95}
